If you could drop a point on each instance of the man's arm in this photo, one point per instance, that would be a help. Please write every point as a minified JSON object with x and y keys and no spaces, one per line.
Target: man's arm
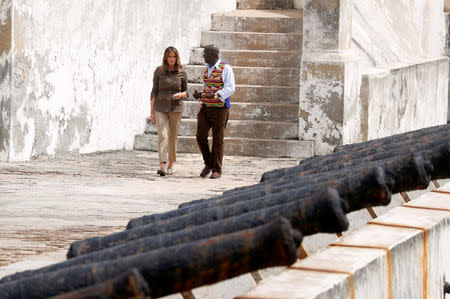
{"x":229,"y":84}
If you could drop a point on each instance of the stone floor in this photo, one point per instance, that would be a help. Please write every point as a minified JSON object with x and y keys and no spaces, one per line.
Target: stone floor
{"x":45,"y":205}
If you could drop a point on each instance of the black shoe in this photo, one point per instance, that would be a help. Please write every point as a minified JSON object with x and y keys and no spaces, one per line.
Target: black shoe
{"x":206,"y":170}
{"x":161,"y":172}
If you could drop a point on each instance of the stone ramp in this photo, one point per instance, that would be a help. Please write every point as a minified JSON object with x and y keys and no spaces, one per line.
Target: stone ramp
{"x":262,"y":41}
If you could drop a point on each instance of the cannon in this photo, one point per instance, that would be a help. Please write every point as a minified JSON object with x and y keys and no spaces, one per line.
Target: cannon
{"x":365,"y":155}
{"x":402,"y":138}
{"x":326,"y":214}
{"x":194,"y":219}
{"x":368,"y":187}
{"x":128,"y":285}
{"x":176,"y":268}
{"x":401,"y":174}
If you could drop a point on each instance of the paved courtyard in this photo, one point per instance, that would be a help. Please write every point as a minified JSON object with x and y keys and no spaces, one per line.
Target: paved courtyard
{"x":47,"y":204}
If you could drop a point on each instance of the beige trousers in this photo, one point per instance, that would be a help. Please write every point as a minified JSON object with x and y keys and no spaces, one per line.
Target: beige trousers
{"x":167,"y":124}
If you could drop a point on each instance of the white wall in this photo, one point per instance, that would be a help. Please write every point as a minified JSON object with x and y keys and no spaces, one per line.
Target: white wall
{"x":405,"y":98}
{"x":387,"y":32}
{"x":82,"y":70}
{"x":405,"y":76}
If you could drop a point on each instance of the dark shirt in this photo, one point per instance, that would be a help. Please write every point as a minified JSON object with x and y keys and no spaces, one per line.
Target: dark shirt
{"x":165,"y":84}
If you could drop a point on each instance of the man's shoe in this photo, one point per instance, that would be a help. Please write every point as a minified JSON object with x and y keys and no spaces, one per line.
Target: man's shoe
{"x":169,"y":171}
{"x":215,"y":175}
{"x":206,"y":170}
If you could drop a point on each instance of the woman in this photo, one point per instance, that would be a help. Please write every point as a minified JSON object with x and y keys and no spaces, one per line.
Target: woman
{"x":169,"y":89}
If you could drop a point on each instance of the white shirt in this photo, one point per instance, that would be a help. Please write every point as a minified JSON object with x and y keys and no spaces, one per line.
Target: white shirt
{"x":229,"y":85}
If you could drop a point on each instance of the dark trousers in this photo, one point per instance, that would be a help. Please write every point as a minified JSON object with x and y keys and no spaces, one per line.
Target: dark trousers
{"x":215,"y":118}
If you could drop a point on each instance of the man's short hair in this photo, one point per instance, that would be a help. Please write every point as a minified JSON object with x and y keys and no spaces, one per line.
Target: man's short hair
{"x":212,"y":48}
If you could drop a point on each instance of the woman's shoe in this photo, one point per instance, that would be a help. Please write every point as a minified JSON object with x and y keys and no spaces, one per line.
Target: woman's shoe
{"x":161,"y":172}
{"x":169,"y":171}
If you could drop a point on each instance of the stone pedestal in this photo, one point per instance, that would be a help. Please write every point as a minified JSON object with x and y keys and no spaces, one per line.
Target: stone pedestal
{"x":330,"y":76}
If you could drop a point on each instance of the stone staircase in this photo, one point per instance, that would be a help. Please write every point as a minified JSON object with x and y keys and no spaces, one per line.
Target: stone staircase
{"x":262,"y":41}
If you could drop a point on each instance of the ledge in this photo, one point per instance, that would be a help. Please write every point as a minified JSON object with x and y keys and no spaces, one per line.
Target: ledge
{"x":402,"y":254}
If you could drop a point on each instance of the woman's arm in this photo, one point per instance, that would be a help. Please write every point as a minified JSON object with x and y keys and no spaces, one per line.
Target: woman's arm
{"x":152,"y":110}
{"x":155,"y":90}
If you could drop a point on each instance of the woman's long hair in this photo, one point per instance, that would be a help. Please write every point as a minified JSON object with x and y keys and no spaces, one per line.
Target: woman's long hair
{"x":169,"y":50}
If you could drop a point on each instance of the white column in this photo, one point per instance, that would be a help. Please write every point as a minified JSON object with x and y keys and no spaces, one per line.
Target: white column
{"x":330,"y":76}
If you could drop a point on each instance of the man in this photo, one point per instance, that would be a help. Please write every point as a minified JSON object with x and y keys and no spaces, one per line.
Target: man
{"x":218,"y":86}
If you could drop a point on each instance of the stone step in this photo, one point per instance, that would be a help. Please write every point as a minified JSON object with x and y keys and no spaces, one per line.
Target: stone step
{"x":240,"y":128}
{"x":265,"y":4}
{"x":253,"y":58}
{"x":259,"y":21}
{"x":257,"y":93}
{"x":271,"y":148}
{"x":252,"y":75}
{"x":227,"y":40}
{"x":251,"y":111}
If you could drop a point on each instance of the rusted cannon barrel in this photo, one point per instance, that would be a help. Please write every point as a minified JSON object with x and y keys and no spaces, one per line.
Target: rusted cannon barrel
{"x":342,"y":176}
{"x":387,"y":143}
{"x":384,"y":160}
{"x":193,"y":219}
{"x":306,"y":187}
{"x":344,"y":159}
{"x":403,"y":174}
{"x":402,"y":137}
{"x":177,"y":268}
{"x":128,"y":285}
{"x":326,"y":214}
{"x":364,"y":188}
{"x":440,"y":159}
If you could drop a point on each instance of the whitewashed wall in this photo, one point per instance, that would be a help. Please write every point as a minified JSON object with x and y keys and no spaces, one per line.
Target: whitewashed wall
{"x":82,"y":70}
{"x":405,"y":74}
{"x":386,"y":32}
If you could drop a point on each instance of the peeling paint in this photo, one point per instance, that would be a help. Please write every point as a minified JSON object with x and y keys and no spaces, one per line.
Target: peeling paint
{"x":5,"y":6}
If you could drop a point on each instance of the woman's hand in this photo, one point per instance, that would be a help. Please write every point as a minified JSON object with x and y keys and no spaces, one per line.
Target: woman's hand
{"x":152,"y":117}
{"x":178,"y":95}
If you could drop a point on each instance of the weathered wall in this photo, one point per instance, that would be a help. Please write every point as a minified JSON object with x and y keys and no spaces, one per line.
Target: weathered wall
{"x":5,"y":76}
{"x":404,"y":98}
{"x":298,"y":4}
{"x":346,"y":41}
{"x":386,"y":32}
{"x":330,"y":76}
{"x":447,"y":47}
{"x":405,"y":79}
{"x":82,"y":71}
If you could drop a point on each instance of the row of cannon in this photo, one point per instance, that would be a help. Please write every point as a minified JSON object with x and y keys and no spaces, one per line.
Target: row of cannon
{"x":244,"y":229}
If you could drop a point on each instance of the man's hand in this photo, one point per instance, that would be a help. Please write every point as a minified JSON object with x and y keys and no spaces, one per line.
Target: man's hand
{"x":210,"y":95}
{"x":197,"y":94}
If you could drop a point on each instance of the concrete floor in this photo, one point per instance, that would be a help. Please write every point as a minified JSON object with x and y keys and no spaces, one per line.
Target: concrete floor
{"x":45,"y":205}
